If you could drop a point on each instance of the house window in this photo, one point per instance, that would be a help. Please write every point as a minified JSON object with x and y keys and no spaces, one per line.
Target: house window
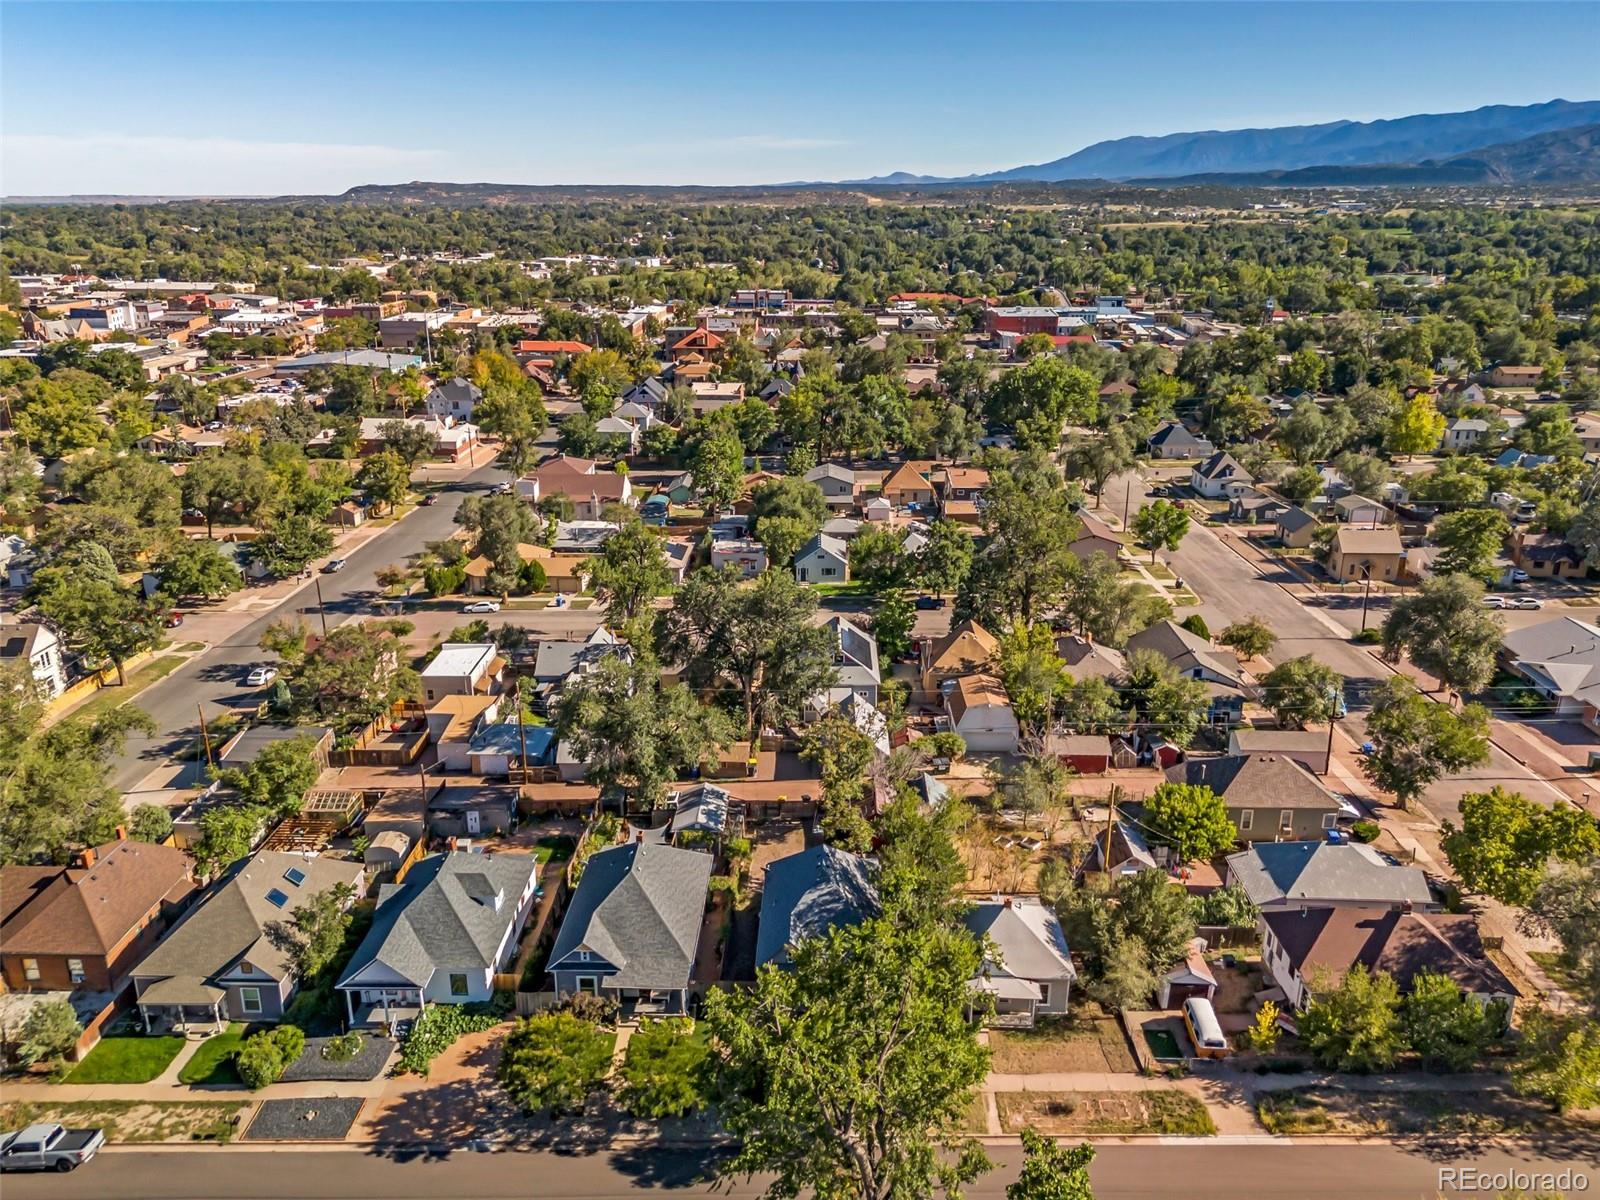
{"x":458,"y":985}
{"x":75,"y":970}
{"x":588,"y":983}
{"x":1247,"y":818}
{"x":1286,"y":820}
{"x":30,"y":970}
{"x":1044,"y":993}
{"x":1329,"y":819}
{"x":250,"y":1000}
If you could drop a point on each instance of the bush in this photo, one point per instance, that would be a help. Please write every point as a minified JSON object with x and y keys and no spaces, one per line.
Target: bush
{"x":343,"y":1048}
{"x":50,"y":1031}
{"x":589,"y":1006}
{"x":443,"y":581}
{"x":1365,"y":831}
{"x":666,"y":1070}
{"x":436,"y":1030}
{"x":946,"y":744}
{"x":1368,"y":637}
{"x":553,"y":1060}
{"x":1196,"y":624}
{"x":265,"y":1055}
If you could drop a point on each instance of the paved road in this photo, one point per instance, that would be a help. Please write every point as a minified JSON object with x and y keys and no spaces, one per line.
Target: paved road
{"x":1120,"y":1172}
{"x":1232,"y":589}
{"x":213,"y":679}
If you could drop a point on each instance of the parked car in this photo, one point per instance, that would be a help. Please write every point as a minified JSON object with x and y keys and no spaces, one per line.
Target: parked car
{"x":481,"y":606}
{"x":1494,"y":602}
{"x":1524,"y":602}
{"x":429,"y":499}
{"x":501,"y":489}
{"x":260,"y":676}
{"x":1518,"y":575}
{"x":49,"y":1148}
{"x":332,"y":565}
{"x":930,"y":602}
{"x":173,"y":620}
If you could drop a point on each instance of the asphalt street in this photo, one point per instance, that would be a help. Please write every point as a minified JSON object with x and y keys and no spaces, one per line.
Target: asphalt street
{"x":213,"y":680}
{"x":1194,"y":1171}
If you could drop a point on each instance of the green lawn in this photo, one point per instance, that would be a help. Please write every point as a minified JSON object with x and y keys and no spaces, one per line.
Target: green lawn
{"x":141,"y":677}
{"x":133,"y":1059}
{"x":852,"y":588}
{"x":213,"y":1062}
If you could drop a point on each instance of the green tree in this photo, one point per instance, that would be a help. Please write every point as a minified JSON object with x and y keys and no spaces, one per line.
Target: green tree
{"x":227,"y":834}
{"x":226,"y":484}
{"x":717,"y":464}
{"x":1471,"y":540}
{"x":1030,"y":525}
{"x":1263,"y":1032}
{"x":945,"y":558}
{"x":278,"y":778}
{"x":1124,"y":979}
{"x":1301,"y":692}
{"x":315,"y":931}
{"x":289,"y":542}
{"x":1447,"y":632}
{"x":50,"y":1032}
{"x":878,"y":558}
{"x":150,"y":823}
{"x":666,"y":1070}
{"x":798,"y":503}
{"x":56,"y":417}
{"x":1096,"y":459}
{"x":1237,"y":416}
{"x":1249,"y":638}
{"x":385,"y":477}
{"x":352,"y":676}
{"x":848,"y":1074}
{"x":1153,"y":910}
{"x":409,"y":441}
{"x":1356,"y":1025}
{"x":1090,"y":705}
{"x":760,"y":640}
{"x":553,"y":1062}
{"x":1160,"y":524}
{"x":1448,"y":1028}
{"x":1415,"y":428}
{"x":629,"y":572}
{"x":1033,"y":675}
{"x":1190,"y":818}
{"x":1051,"y":1171}
{"x":194,"y":568}
{"x":1105,"y":606}
{"x":1227,"y":905}
{"x":1416,"y":741}
{"x":1365,"y":473}
{"x":1168,"y":704}
{"x":1560,"y":1061}
{"x":892,"y":624}
{"x":1505,"y":842}
{"x":93,"y":611}
{"x":1566,"y":904}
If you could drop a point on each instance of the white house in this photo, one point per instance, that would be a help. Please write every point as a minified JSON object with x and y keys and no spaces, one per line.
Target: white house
{"x":455,"y":399}
{"x":838,"y":484}
{"x":440,"y":936}
{"x":1220,"y":477}
{"x":462,"y":669}
{"x":41,"y":648}
{"x":1031,"y":971}
{"x":824,"y":559}
{"x":980,"y":711}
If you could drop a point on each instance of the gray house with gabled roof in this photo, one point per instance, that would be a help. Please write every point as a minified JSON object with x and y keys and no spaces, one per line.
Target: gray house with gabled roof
{"x":440,"y":936}
{"x":632,"y":926}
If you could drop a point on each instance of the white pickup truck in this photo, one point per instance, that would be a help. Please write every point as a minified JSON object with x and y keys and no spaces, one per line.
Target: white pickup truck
{"x":48,"y":1148}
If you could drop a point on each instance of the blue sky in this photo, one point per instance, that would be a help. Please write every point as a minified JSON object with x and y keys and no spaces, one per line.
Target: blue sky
{"x":292,"y":97}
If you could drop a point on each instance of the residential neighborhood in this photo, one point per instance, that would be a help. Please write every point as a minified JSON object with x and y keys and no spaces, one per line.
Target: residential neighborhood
{"x":574,"y":672}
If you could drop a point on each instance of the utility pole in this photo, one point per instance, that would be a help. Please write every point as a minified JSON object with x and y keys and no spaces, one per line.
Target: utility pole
{"x":1366,"y":591}
{"x":522,"y":740}
{"x":321,"y":611}
{"x":205,"y":736}
{"x":1111,"y":817}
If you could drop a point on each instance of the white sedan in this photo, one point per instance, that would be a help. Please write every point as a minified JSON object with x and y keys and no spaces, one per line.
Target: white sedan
{"x":481,"y":606}
{"x":260,"y":676}
{"x":1524,"y":602}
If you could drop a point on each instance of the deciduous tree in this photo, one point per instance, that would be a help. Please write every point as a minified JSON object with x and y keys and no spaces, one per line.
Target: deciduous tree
{"x":1505,"y":842}
{"x":1190,"y":818}
{"x":1416,"y":741}
{"x":1302,"y":691}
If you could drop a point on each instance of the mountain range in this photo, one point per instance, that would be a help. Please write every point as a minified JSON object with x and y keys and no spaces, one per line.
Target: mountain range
{"x":1426,"y":140}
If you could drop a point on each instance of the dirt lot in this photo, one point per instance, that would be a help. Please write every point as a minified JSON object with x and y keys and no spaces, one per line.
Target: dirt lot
{"x":1074,"y":1114}
{"x":1236,"y":984}
{"x":1081,"y":1042}
{"x":1408,"y":1112}
{"x":135,"y":1120}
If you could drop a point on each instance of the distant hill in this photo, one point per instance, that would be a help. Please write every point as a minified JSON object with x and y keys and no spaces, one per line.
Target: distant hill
{"x":1563,"y":156}
{"x":1426,"y":137}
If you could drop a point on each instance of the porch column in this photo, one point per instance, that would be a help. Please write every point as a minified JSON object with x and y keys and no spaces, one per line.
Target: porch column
{"x":349,"y":1008}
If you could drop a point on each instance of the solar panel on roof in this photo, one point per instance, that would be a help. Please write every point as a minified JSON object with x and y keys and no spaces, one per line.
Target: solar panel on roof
{"x":295,"y":876}
{"x":276,"y":898}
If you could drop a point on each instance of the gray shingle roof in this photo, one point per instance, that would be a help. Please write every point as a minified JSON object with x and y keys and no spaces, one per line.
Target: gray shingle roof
{"x":808,"y":893}
{"x":1304,"y":872}
{"x":639,"y":907}
{"x":443,"y":915}
{"x":1256,"y":781}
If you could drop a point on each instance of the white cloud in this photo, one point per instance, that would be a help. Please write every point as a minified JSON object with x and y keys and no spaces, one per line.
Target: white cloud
{"x":57,"y":164}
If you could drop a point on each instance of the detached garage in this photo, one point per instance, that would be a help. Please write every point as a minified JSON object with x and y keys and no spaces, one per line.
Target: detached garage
{"x":1087,"y":754}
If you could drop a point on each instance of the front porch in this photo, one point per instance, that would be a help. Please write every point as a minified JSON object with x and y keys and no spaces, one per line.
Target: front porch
{"x":184,"y":1006}
{"x":383,"y":1008}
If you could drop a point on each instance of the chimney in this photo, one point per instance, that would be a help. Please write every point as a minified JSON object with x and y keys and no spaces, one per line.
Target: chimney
{"x":86,"y":856}
{"x":1007,"y":902}
{"x":452,"y":845}
{"x":639,"y":838}
{"x":1405,"y":907}
{"x":122,"y":833}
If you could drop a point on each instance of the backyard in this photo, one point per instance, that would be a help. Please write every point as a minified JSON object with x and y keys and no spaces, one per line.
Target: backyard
{"x":126,"y":1058}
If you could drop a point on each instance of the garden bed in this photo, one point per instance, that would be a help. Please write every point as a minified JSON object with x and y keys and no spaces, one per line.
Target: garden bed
{"x":135,"y":1121}
{"x":1075,"y":1114}
{"x":313,"y":1119}
{"x":311,"y":1066}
